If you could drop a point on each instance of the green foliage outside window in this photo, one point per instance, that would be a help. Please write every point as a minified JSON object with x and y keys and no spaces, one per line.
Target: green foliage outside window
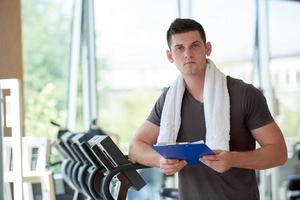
{"x":46,"y":31}
{"x":46,"y":38}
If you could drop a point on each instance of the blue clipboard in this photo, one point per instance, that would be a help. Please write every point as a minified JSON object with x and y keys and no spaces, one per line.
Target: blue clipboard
{"x":191,"y":152}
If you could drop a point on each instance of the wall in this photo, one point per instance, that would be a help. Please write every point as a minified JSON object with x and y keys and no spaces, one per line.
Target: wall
{"x":11,"y":49}
{"x":10,"y":39}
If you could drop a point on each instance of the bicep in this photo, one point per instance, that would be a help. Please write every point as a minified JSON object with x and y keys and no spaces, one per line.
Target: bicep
{"x":147,"y":133}
{"x":273,"y":147}
{"x":269,"y":134}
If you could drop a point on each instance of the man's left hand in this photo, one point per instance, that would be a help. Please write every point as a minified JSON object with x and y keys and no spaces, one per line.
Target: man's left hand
{"x":220,"y":162}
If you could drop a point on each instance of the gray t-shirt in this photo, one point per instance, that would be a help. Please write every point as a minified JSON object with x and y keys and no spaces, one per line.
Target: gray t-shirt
{"x":248,"y":111}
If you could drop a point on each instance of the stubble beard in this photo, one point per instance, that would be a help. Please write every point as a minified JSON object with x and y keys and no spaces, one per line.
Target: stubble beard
{"x":191,"y":70}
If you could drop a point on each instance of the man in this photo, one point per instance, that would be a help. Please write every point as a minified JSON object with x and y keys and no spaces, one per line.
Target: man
{"x":229,"y":174}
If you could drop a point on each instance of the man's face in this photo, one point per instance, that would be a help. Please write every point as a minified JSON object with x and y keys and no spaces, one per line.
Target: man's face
{"x":189,"y":52}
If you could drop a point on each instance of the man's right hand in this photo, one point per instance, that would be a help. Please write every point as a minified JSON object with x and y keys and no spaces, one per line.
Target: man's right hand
{"x":171,"y":166}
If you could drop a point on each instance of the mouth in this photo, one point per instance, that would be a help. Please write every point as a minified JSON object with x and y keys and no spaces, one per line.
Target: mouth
{"x":189,"y":63}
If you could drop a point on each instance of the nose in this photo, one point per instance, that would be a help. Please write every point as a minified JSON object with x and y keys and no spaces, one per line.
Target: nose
{"x":187,"y":53}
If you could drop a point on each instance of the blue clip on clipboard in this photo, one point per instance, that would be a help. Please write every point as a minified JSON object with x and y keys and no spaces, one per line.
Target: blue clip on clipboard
{"x":191,"y":152}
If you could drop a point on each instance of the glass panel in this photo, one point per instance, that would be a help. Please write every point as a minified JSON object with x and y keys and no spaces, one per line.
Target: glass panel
{"x":298,"y":77}
{"x":11,"y":185}
{"x":284,"y":28}
{"x":11,"y":159}
{"x":34,"y":158}
{"x":131,"y":45}
{"x":284,"y":32}
{"x":37,"y":191}
{"x":229,"y":26}
{"x":46,"y":44}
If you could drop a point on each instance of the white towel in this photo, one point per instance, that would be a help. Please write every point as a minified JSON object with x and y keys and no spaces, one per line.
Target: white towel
{"x":216,"y":110}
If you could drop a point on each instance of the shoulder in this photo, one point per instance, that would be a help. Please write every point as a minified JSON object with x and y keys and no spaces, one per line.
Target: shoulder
{"x":250,"y":101}
{"x":159,"y":104}
{"x":237,"y":87}
{"x":165,"y":91}
{"x":161,"y":99}
{"x":156,"y":112}
{"x":236,"y":84}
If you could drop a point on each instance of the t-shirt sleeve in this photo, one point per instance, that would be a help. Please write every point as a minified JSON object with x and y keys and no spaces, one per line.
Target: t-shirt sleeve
{"x":155,"y":114}
{"x":256,"y":108}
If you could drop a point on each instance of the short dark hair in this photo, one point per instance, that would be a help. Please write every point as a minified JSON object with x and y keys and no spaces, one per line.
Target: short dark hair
{"x":184,"y":25}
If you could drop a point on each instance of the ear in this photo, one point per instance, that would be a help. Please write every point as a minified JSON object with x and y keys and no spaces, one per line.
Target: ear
{"x":169,"y":56}
{"x":208,"y":48}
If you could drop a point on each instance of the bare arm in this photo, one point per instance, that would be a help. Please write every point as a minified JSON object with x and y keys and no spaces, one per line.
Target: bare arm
{"x":141,"y":151}
{"x":272,"y":152}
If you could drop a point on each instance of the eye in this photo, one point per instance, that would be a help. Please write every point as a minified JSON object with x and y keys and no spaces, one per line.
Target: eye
{"x":195,"y":45}
{"x":179,"y":49}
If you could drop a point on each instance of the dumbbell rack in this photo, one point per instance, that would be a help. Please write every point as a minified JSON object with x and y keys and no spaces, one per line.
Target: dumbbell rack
{"x":95,"y":167}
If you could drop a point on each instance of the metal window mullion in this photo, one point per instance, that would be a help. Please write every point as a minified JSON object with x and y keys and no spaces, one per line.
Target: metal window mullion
{"x":184,"y":8}
{"x":85,"y":71}
{"x":264,"y":82}
{"x":264,"y":51}
{"x":92,"y":59}
{"x":74,"y":64}
{"x":89,"y":67}
{"x":179,"y":8}
{"x":85,"y":89}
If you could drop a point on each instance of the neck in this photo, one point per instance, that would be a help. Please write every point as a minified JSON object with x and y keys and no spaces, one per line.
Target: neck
{"x":195,"y":85}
